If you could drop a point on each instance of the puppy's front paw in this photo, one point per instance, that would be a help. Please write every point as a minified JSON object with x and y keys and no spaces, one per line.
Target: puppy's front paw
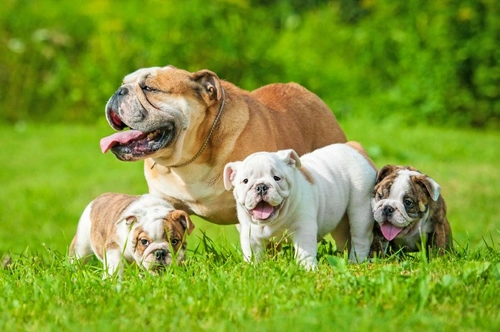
{"x":309,"y":263}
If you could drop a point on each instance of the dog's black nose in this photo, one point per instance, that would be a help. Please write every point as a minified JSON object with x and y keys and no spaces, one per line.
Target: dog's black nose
{"x":388,"y":210}
{"x":261,"y":188}
{"x":122,"y":91}
{"x":160,"y":254}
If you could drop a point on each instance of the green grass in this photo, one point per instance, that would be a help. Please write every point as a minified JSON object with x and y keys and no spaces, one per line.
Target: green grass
{"x":49,"y":174}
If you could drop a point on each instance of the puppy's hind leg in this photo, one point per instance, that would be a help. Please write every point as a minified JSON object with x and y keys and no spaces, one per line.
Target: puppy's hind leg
{"x":79,"y":250}
{"x":361,"y":223}
{"x":80,"y":247}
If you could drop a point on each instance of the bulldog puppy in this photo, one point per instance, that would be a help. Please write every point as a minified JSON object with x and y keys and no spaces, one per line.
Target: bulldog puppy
{"x":187,"y":126}
{"x":407,"y":206}
{"x":143,"y":229}
{"x":307,"y":198}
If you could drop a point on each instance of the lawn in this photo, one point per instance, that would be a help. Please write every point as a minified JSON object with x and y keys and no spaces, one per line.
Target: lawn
{"x":50,"y":172}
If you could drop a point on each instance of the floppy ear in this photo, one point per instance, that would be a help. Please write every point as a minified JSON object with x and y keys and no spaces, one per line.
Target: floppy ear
{"x":129,"y":220}
{"x":210,"y":81}
{"x":290,"y":157}
{"x":229,"y":174}
{"x":133,"y":216}
{"x":384,"y":172}
{"x":432,"y":187}
{"x":183,"y":218}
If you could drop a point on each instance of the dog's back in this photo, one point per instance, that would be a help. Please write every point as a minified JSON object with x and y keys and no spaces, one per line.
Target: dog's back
{"x":96,"y":223}
{"x":294,"y":109}
{"x":345,"y":179}
{"x":339,"y":169}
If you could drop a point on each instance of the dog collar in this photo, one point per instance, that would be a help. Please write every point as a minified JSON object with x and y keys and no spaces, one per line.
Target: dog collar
{"x":209,"y":136}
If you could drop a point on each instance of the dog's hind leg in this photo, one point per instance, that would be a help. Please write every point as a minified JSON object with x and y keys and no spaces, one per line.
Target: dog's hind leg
{"x":80,"y":247}
{"x":361,"y":224}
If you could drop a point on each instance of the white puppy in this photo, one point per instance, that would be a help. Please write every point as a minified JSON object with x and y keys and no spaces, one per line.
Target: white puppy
{"x":143,"y":229}
{"x":308,"y":197}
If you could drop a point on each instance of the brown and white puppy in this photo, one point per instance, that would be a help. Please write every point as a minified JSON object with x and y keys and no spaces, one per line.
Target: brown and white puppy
{"x":143,"y":229}
{"x":187,"y":126}
{"x":407,"y":205}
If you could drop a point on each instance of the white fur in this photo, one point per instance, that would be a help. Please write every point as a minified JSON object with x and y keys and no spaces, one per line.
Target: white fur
{"x":399,"y":189}
{"x":343,"y":181}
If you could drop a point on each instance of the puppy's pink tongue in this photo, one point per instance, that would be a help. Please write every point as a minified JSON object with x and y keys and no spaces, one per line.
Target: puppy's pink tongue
{"x":262,"y":211}
{"x":390,"y":231}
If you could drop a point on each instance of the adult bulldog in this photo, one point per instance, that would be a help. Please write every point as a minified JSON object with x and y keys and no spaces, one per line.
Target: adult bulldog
{"x":188,"y":126}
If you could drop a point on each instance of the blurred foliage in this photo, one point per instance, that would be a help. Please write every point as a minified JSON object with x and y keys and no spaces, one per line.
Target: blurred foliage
{"x":430,"y":61}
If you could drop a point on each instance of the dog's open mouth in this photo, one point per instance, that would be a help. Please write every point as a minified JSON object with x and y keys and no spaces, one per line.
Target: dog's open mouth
{"x":264,"y":211}
{"x":135,"y":144}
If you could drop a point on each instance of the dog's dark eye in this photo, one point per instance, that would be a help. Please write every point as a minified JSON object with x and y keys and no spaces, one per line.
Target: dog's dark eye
{"x":245,"y":181}
{"x":148,"y":88}
{"x":174,"y":242}
{"x":380,"y":196}
{"x":144,"y":242}
{"x":408,"y":203}
{"x":276,"y":178}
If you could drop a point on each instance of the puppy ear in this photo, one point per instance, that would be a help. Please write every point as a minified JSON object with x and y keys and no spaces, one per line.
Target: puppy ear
{"x":133,"y":216}
{"x":384,"y":172}
{"x":129,"y":220}
{"x":183,"y":218}
{"x":229,"y":174}
{"x":432,"y":187}
{"x":290,"y":157}
{"x":210,"y":81}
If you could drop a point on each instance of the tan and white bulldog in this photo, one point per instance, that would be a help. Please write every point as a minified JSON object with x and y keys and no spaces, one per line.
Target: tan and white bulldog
{"x":307,"y":197}
{"x":143,"y":229}
{"x":408,"y":205}
{"x":187,"y":126}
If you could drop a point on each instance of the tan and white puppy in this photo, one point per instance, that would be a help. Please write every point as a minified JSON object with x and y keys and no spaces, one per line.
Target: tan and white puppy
{"x":307,"y":197}
{"x":187,"y":126}
{"x":408,"y":205}
{"x":143,"y":229}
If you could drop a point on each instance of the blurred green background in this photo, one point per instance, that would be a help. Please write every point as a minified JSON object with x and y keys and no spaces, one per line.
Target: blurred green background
{"x":427,"y":61}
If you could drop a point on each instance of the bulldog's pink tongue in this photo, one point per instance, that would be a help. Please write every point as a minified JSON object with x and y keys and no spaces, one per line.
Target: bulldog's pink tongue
{"x":122,"y":137}
{"x":390,"y":231}
{"x":262,"y":211}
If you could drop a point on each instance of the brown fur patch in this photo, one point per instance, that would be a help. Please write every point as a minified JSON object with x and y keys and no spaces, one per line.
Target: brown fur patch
{"x":178,"y":224}
{"x":106,"y":210}
{"x":137,"y":236}
{"x":306,"y":174}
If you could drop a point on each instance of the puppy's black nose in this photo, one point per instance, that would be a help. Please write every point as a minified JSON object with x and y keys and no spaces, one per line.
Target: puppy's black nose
{"x":122,"y":91}
{"x":388,"y":211}
{"x":261,"y":188}
{"x":160,"y":254}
